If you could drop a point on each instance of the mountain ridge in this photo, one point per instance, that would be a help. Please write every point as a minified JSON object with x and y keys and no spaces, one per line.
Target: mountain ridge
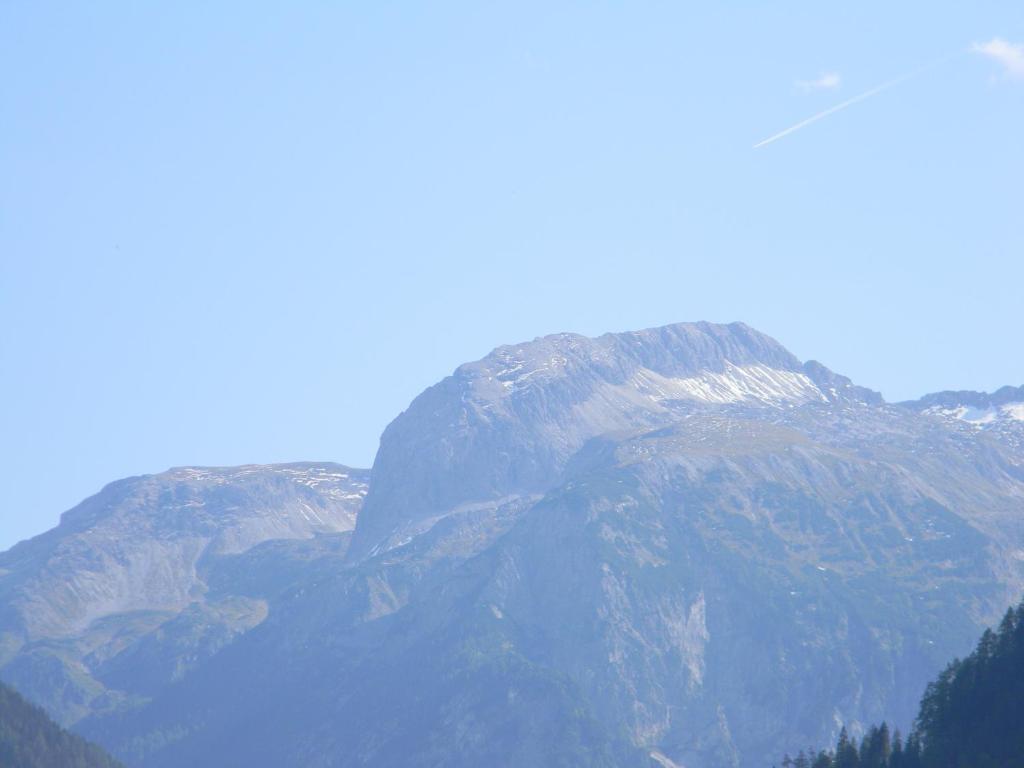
{"x":681,"y":545}
{"x":952,"y":398}
{"x":125,"y":562}
{"x":536,"y":403}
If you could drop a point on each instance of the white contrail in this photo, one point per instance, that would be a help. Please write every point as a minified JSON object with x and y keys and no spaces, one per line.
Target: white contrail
{"x":848,"y":103}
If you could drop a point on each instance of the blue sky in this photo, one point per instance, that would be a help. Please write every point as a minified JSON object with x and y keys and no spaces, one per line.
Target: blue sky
{"x":251,"y":233}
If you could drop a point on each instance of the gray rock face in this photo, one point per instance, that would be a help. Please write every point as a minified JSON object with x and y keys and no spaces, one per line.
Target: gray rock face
{"x":123,"y":575}
{"x":507,"y":424}
{"x":966,"y":399}
{"x":680,"y":546}
{"x":731,"y":581}
{"x":1000,"y":415}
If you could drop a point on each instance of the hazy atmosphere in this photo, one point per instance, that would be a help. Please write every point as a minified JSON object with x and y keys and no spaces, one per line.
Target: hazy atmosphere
{"x":583,"y":385}
{"x":314,"y":214}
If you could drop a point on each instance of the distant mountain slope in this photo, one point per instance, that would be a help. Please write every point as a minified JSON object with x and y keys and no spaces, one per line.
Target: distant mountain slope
{"x":30,"y":739}
{"x":124,"y":579}
{"x":680,"y":546}
{"x":969,"y":716}
{"x":999,"y":414}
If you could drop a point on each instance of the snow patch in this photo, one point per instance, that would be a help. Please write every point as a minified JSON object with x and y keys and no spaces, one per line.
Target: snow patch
{"x":981,"y":417}
{"x":1014,"y":411}
{"x":758,"y":383}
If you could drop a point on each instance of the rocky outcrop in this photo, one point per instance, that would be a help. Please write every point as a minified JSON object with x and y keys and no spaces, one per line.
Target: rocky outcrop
{"x":126,"y":569}
{"x":508,"y":424}
{"x":1000,"y":414}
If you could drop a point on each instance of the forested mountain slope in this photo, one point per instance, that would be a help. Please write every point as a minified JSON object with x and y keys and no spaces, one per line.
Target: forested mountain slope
{"x":30,"y":739}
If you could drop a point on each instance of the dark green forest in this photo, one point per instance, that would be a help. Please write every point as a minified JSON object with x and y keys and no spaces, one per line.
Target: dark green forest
{"x":30,"y":739}
{"x":971,"y":716}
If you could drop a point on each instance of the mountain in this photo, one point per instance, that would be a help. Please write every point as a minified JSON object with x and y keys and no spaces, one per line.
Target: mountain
{"x":30,"y":739}
{"x":127,"y":593}
{"x":509,"y":423}
{"x":970,"y":715}
{"x":678,"y":546}
{"x":999,"y":414}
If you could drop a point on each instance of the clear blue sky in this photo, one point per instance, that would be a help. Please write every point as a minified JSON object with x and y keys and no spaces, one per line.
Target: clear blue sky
{"x":253,"y":233}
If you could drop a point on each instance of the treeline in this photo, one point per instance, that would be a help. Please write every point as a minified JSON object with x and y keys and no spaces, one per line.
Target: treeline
{"x":878,"y":749}
{"x":30,"y":739}
{"x":972,"y":716}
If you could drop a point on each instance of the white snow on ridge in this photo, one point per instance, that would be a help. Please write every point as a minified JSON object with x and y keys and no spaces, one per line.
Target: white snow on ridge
{"x":1014,"y":411}
{"x":513,"y":373}
{"x":981,"y":417}
{"x":736,"y":384}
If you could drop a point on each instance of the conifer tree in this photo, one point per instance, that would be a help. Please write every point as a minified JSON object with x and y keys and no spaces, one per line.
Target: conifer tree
{"x":846,"y":752}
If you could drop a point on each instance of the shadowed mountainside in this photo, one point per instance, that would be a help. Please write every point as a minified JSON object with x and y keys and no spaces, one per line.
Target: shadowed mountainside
{"x":30,"y":739}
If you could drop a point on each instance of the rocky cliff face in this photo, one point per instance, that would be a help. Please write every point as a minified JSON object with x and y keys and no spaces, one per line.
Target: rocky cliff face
{"x":680,"y":546}
{"x":124,"y":575}
{"x":508,"y":424}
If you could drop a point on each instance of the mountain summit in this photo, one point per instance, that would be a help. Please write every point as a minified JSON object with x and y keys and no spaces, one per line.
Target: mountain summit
{"x":674,"y":547}
{"x":508,"y":424}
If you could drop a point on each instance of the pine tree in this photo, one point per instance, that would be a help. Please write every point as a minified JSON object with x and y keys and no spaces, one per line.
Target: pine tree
{"x":896,"y":756}
{"x":912,"y":753}
{"x":875,"y":748}
{"x":846,"y":752}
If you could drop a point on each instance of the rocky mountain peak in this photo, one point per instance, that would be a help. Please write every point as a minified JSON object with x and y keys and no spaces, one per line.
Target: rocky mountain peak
{"x":507,"y":424}
{"x":1003,"y":399}
{"x":126,"y":576}
{"x":137,"y":542}
{"x":999,"y":414}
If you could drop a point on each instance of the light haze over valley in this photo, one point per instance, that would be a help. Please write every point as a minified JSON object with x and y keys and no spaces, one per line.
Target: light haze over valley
{"x":519,"y":385}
